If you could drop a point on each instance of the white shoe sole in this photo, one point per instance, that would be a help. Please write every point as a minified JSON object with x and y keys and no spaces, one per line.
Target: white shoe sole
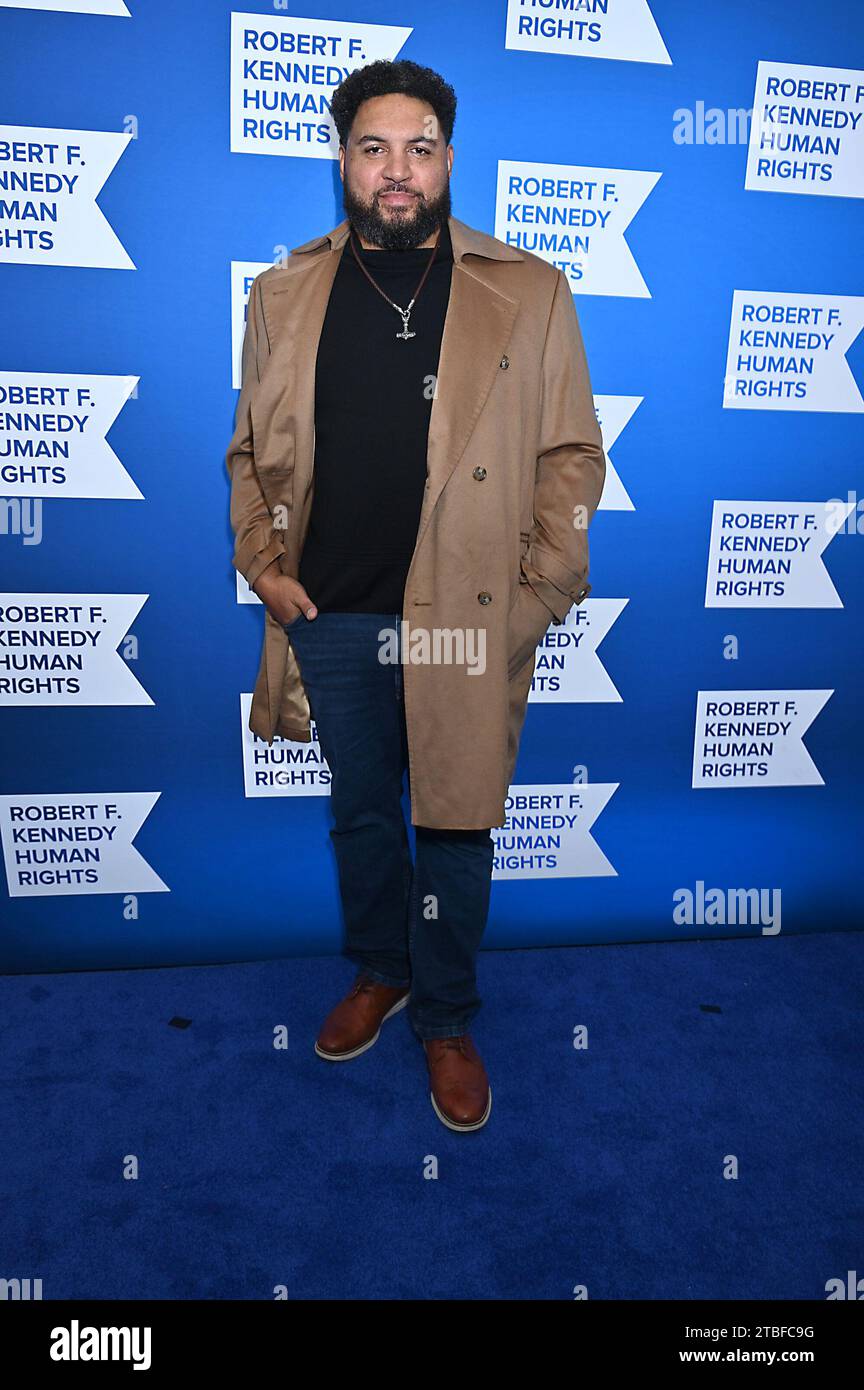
{"x":463,"y":1129}
{"x":364,"y":1047}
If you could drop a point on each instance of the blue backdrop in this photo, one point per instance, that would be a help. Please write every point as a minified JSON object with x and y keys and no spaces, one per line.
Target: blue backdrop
{"x":252,"y":877}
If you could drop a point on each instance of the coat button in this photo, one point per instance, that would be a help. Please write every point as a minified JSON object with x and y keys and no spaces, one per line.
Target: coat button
{"x":479,"y":473}
{"x":505,"y":362}
{"x":484,"y":597}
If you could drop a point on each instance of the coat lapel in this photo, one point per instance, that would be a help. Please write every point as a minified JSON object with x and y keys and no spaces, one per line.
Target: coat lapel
{"x":476,"y":333}
{"x":477,"y":330}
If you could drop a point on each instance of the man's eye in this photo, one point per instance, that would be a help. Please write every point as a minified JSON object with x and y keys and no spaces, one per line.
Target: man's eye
{"x":418,"y":149}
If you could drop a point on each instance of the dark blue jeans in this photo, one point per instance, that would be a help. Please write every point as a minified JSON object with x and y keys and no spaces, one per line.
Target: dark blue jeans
{"x":419,"y":922}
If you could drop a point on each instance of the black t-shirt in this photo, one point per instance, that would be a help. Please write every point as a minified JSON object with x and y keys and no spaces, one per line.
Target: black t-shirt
{"x":373,"y":398}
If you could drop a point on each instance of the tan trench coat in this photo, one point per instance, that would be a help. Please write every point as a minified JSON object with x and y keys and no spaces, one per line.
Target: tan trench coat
{"x":515,"y":470}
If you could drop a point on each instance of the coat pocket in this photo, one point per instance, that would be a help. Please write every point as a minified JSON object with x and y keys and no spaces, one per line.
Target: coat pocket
{"x":528,"y":622}
{"x":524,"y":544}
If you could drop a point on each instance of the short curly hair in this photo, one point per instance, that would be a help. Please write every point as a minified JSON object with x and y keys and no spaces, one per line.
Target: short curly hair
{"x":381,"y":78}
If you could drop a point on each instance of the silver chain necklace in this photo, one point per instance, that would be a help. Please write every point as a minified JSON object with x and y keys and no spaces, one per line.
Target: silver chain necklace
{"x":405,"y":314}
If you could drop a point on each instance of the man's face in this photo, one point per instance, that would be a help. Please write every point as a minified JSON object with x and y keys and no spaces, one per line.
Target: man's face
{"x":396,"y":173}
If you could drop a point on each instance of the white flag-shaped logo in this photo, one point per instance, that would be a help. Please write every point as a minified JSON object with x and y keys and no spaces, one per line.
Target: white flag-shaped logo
{"x":53,"y":435}
{"x":284,"y":767}
{"x":769,"y":555}
{"x":622,"y":29}
{"x":283,"y":72}
{"x":48,"y":212}
{"x":575,"y":217}
{"x":788,"y":352}
{"x":547,"y":832}
{"x":76,"y":842}
{"x":115,"y":7}
{"x":614,"y":413}
{"x":567,"y":669}
{"x":60,"y":649}
{"x":807,"y":135}
{"x":753,"y":738}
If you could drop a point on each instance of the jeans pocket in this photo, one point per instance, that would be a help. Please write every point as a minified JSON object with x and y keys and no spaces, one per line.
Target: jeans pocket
{"x":288,"y":627}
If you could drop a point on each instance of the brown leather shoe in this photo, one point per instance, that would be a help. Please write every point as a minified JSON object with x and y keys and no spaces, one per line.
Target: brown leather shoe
{"x":461,"y":1094}
{"x":356,"y":1021}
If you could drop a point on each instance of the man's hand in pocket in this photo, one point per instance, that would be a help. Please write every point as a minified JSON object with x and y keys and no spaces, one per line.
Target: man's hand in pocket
{"x":528,"y":621}
{"x":284,"y":597}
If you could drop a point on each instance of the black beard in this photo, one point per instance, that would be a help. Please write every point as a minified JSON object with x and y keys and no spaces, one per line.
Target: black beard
{"x":397,"y":233}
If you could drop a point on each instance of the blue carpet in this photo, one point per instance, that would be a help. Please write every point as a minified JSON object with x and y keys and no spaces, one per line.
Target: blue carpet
{"x":601,"y":1167}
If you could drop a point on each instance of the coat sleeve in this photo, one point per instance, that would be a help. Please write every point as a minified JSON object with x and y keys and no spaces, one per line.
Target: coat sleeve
{"x":571,"y":465}
{"x":256,"y":541}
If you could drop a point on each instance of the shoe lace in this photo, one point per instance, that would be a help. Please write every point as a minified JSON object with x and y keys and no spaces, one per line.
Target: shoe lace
{"x":364,"y":983}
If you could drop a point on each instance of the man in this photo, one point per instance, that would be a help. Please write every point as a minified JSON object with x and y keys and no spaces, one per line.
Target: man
{"x":414,"y":467}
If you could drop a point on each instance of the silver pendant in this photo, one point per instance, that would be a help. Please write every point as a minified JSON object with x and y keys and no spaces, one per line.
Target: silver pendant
{"x":405,"y":334}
